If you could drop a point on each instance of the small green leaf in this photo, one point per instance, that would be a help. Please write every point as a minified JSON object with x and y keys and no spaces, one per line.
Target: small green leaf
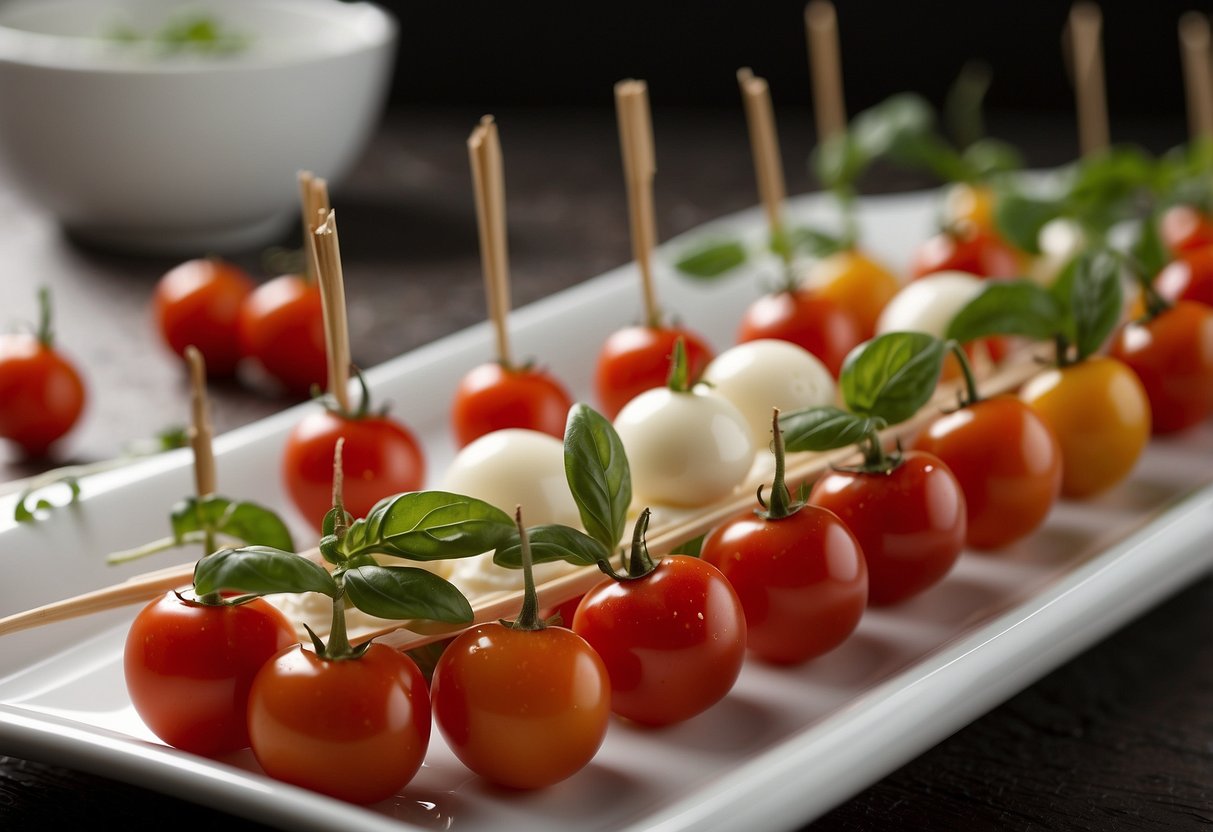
{"x":599,"y":477}
{"x":825,"y":428}
{"x":428,"y":525}
{"x":691,"y":548}
{"x":1008,"y":307}
{"x":1020,"y":218}
{"x":402,"y":592}
{"x":24,"y":514}
{"x":816,"y":243}
{"x":838,"y":161}
{"x":889,"y":126}
{"x":712,"y":259}
{"x":963,"y":105}
{"x":988,"y":157}
{"x":1096,"y":299}
{"x":247,"y":522}
{"x":892,"y":376}
{"x":552,"y":543}
{"x":260,"y":570}
{"x":1149,"y":251}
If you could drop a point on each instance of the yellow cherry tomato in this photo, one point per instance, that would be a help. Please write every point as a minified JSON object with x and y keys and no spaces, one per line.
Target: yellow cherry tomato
{"x":964,"y":201}
{"x":1101,"y":415}
{"x":857,"y":283}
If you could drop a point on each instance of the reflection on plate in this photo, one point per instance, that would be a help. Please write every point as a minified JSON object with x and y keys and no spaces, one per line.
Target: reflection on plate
{"x":784,"y":746}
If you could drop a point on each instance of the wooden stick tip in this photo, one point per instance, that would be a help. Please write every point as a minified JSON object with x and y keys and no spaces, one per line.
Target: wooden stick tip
{"x":1194,"y":30}
{"x":820,"y":14}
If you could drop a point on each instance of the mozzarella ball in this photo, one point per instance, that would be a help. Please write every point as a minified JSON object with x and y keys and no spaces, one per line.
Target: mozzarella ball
{"x":1060,"y":241}
{"x":929,"y":303}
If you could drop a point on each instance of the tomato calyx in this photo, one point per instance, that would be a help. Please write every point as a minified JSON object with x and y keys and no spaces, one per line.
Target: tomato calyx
{"x":363,"y":409}
{"x":679,"y":379}
{"x":640,"y":563}
{"x":781,"y":504}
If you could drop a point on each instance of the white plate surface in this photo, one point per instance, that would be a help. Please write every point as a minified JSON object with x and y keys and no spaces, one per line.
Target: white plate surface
{"x":785,"y":746}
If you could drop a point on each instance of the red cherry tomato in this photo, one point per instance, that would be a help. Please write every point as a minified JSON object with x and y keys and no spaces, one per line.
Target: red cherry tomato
{"x":189,"y":668}
{"x":801,"y":579}
{"x":1188,"y":277}
{"x":638,"y":358}
{"x":522,"y":708}
{"x":910,"y":522}
{"x":966,"y":248}
{"x":673,"y":641}
{"x":380,"y":457}
{"x":1008,"y":462}
{"x":355,"y":729}
{"x":804,"y":317}
{"x":41,"y":393}
{"x":198,"y":302}
{"x":1172,"y":354}
{"x":1185,"y":228}
{"x":494,"y":397}
{"x":282,"y":331}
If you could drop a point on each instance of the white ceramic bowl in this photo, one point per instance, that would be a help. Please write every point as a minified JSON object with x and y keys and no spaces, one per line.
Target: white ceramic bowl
{"x":135,"y":147}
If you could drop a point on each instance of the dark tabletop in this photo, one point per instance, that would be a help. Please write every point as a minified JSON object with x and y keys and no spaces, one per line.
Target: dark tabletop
{"x":1120,"y":738}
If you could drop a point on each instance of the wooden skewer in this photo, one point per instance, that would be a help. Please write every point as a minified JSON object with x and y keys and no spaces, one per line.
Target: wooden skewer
{"x":327,"y":254}
{"x":200,"y":433}
{"x":484,"y":151}
{"x":764,"y":144}
{"x":1198,"y":73}
{"x":825,"y":68}
{"x":640,"y":165}
{"x":1084,"y":34}
{"x":314,"y":207}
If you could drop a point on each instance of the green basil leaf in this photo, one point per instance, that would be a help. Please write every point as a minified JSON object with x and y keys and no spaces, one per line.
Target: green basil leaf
{"x":1148,"y":249}
{"x":599,"y":477}
{"x":712,"y":259}
{"x":260,"y":570}
{"x":1008,"y":307}
{"x":988,"y":157}
{"x":892,"y":376}
{"x":691,"y":548}
{"x":892,"y":124}
{"x":838,"y":161}
{"x":962,"y":109}
{"x":1106,"y":187}
{"x":931,"y":153}
{"x":1096,"y":299}
{"x":816,"y":243}
{"x":429,"y":525}
{"x":824,"y":429}
{"x":247,"y":522}
{"x":1020,"y":218}
{"x":403,"y":592}
{"x":552,"y":543}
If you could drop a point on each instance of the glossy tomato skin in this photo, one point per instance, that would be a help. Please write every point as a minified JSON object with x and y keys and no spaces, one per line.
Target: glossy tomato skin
{"x":857,"y":283}
{"x":522,"y":708}
{"x":380,"y":457}
{"x":804,"y":317}
{"x":1101,"y":415}
{"x":41,"y":393}
{"x":495,"y":397}
{"x":673,"y":641}
{"x":1188,"y":277}
{"x":354,"y":729}
{"x":1172,"y":355}
{"x":282,"y":330}
{"x":198,"y":302}
{"x":189,"y":668}
{"x":802,"y":580}
{"x":1008,"y":462}
{"x":638,"y":358}
{"x":966,"y":249}
{"x":910,"y":522}
{"x":1185,"y":228}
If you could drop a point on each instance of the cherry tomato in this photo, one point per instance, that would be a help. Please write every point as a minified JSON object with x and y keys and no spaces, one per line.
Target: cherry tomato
{"x":910,"y":522}
{"x":189,"y":667}
{"x":1101,"y":415}
{"x":41,"y":392}
{"x":965,"y":202}
{"x":494,"y":397}
{"x":355,"y":729}
{"x":522,"y":708}
{"x":673,"y":641}
{"x":198,"y":302}
{"x":802,"y":580}
{"x":380,"y":457}
{"x":1188,"y":277}
{"x":966,"y":248}
{"x":804,"y":317}
{"x":638,"y":358}
{"x":282,"y":331}
{"x":1172,"y":354}
{"x":1185,"y":228}
{"x":855,"y":282}
{"x":1008,"y":462}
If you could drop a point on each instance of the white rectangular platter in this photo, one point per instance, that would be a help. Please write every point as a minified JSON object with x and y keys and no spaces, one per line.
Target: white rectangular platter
{"x":785,"y":746}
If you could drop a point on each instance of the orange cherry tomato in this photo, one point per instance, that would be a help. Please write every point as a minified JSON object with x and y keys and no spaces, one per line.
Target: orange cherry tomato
{"x":1008,"y":462}
{"x":1100,"y":413}
{"x":495,"y":397}
{"x":1188,"y":277}
{"x":855,"y":282}
{"x":41,"y":392}
{"x":1185,"y":228}
{"x":638,"y":358}
{"x":806,"y":318}
{"x":522,"y":708}
{"x":966,"y":248}
{"x":966,"y":202}
{"x":282,"y":331}
{"x":198,"y":302}
{"x":1172,"y":354}
{"x":356,"y":729}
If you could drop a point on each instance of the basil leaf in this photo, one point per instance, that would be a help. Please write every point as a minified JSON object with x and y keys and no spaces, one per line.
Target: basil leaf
{"x":260,"y":570}
{"x":552,"y":543}
{"x":691,"y":548}
{"x":892,"y":124}
{"x":428,"y":525}
{"x":962,"y":107}
{"x":1148,"y":249}
{"x":402,"y":592}
{"x":987,"y":157}
{"x":1020,"y":218}
{"x":1096,"y":299}
{"x":248,"y":522}
{"x":838,"y":161}
{"x":599,"y":477}
{"x":1105,"y":187}
{"x":929,"y":152}
{"x":712,"y":259}
{"x":816,"y":243}
{"x":892,"y":376}
{"x":1008,"y":307}
{"x":824,"y":428}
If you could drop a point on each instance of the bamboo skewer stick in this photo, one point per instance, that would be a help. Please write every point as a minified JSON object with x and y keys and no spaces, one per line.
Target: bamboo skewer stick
{"x":200,"y":432}
{"x":825,"y":69}
{"x":640,"y":165}
{"x":484,"y":151}
{"x":314,"y":207}
{"x":1194,"y":44}
{"x":764,"y":144}
{"x":327,"y":253}
{"x":1084,"y":32}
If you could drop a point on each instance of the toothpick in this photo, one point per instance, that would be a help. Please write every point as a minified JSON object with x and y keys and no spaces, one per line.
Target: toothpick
{"x":1198,"y":73}
{"x":825,"y":68}
{"x":314,"y":207}
{"x":200,"y":433}
{"x":764,"y":144}
{"x":1086,"y":52}
{"x":327,"y":253}
{"x":640,"y":165}
{"x":484,"y":151}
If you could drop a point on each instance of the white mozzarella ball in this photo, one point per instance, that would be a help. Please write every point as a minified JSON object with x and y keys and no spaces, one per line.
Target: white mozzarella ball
{"x":1060,"y":241}
{"x":929,"y":303}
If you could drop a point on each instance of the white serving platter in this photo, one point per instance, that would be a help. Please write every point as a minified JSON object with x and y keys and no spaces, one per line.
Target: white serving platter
{"x":785,"y":746}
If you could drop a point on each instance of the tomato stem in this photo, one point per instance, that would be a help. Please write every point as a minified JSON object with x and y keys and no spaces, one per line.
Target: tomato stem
{"x":46,"y":335}
{"x":781,"y":504}
{"x":971,"y":394}
{"x":528,"y":615}
{"x":679,"y":378}
{"x":639,"y":562}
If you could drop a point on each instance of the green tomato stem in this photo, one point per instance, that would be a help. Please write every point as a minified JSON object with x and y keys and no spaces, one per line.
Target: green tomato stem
{"x":971,"y":394}
{"x":46,"y":335}
{"x":679,"y":378}
{"x":781,"y":504}
{"x":528,"y":615}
